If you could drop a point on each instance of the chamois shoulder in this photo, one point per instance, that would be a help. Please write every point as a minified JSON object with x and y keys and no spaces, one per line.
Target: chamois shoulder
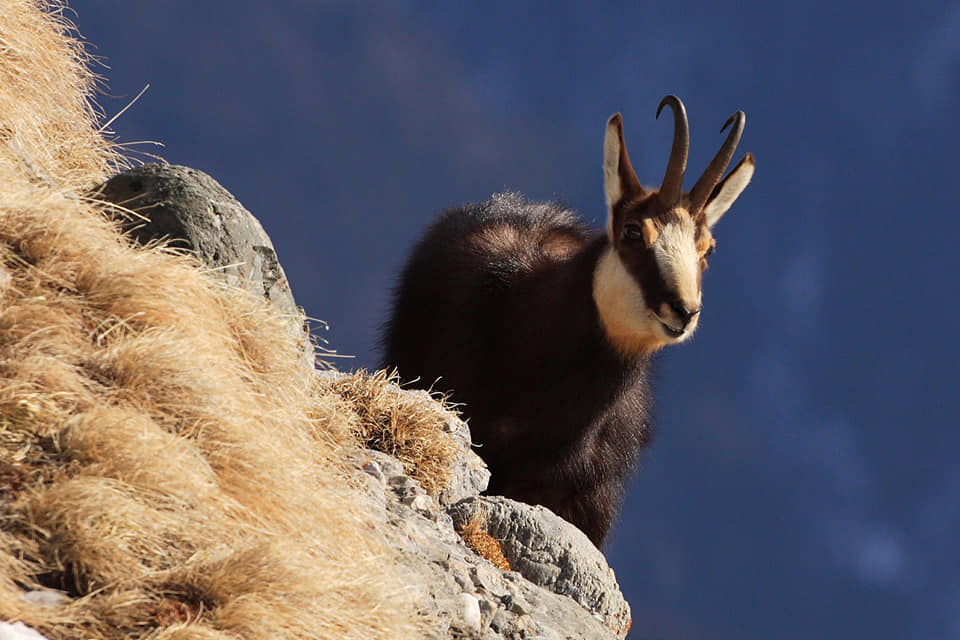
{"x":508,"y":226}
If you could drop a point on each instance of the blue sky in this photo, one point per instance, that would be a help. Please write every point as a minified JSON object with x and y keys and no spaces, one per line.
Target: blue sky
{"x":804,"y":479}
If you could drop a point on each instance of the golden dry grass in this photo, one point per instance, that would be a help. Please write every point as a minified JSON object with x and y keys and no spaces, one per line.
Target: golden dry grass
{"x":48,"y":120}
{"x":165,"y":457}
{"x":408,"y":426}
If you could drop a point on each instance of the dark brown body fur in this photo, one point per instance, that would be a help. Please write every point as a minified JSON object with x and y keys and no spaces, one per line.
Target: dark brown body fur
{"x":495,"y":305}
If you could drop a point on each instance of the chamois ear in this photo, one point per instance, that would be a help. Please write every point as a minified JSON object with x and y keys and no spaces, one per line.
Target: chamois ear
{"x":618,"y":175}
{"x":729,"y":189}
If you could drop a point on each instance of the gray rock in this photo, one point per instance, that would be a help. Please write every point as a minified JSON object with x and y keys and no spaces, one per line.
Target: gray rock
{"x":18,"y":631}
{"x":373,"y":469}
{"x":470,"y":616}
{"x":468,"y":596}
{"x":388,"y":465}
{"x":189,"y":209}
{"x":469,"y":475}
{"x":47,"y":597}
{"x":550,"y":552}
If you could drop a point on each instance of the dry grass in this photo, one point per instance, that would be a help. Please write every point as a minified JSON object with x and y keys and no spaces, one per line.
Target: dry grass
{"x":48,"y":125}
{"x":410,"y":426}
{"x":165,"y":457}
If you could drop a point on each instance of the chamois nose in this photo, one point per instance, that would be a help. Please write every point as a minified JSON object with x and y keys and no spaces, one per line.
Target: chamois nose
{"x":685,"y":315}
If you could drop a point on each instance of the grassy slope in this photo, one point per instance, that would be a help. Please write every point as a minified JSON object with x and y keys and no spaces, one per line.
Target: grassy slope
{"x":165,"y":458}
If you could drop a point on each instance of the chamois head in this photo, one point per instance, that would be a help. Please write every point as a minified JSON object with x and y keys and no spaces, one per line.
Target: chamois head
{"x":648,"y":285}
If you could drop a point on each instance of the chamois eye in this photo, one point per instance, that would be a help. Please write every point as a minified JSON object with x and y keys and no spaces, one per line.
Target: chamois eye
{"x":709,"y":251}
{"x":632,"y":231}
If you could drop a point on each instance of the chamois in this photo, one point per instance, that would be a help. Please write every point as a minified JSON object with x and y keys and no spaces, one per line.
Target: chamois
{"x":543,"y":330}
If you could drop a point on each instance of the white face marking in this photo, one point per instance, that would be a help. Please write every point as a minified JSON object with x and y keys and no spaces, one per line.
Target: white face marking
{"x":623,"y":312}
{"x":630,"y":326}
{"x":676,"y":255}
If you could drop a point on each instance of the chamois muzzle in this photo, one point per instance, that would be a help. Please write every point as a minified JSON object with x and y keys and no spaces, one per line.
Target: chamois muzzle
{"x":684,"y":314}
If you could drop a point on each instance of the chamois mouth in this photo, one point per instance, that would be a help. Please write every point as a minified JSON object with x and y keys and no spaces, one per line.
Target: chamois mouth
{"x":670,"y":331}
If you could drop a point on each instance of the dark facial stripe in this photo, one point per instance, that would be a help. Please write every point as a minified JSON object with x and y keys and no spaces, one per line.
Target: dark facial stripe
{"x":641,"y":264}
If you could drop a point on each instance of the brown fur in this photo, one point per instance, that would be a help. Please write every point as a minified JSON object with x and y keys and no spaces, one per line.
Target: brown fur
{"x":517,"y":340}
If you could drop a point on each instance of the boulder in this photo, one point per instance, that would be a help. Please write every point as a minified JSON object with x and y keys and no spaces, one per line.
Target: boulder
{"x":187,"y":209}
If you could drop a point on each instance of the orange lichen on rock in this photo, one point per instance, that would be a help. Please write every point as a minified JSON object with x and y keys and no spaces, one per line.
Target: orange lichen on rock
{"x":477,"y":538}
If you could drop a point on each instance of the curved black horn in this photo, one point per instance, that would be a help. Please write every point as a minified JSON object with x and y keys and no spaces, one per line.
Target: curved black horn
{"x":677,"y":165}
{"x":705,"y":185}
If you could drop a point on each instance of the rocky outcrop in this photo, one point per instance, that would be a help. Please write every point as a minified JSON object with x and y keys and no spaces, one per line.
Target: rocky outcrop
{"x":549,"y":552}
{"x":558,"y":584}
{"x":470,"y":597}
{"x":187,"y":209}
